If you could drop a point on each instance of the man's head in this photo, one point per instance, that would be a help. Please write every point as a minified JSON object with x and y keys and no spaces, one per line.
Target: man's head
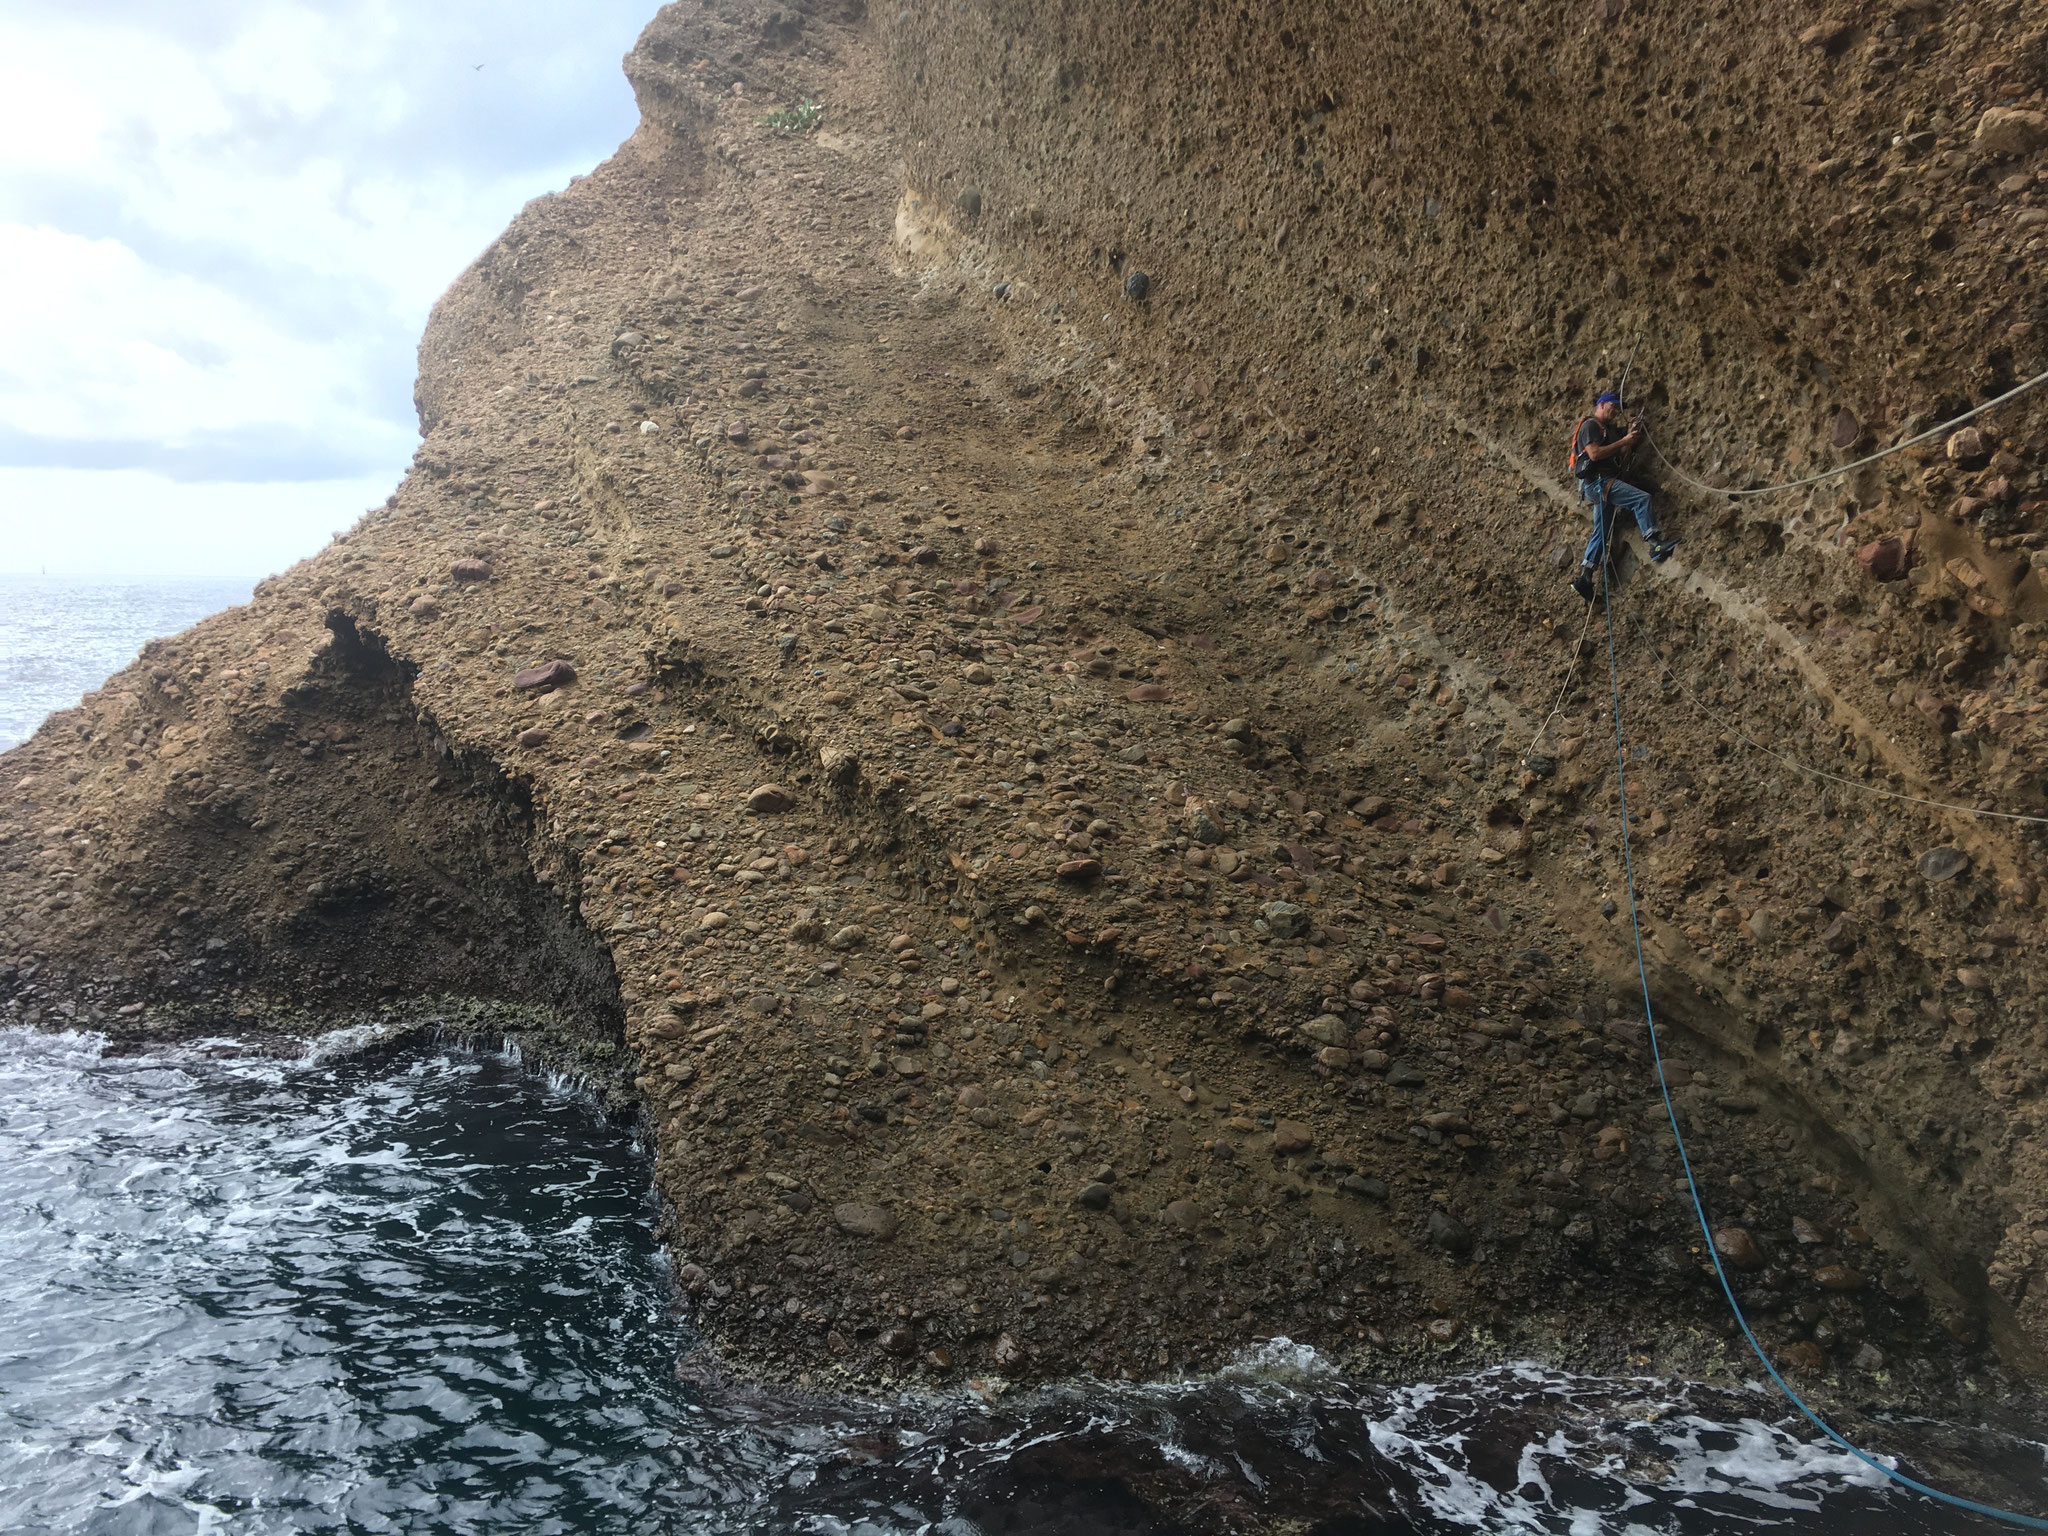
{"x":1607,"y":407}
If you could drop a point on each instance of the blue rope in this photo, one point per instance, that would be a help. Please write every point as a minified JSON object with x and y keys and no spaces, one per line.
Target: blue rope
{"x":2029,"y":1522}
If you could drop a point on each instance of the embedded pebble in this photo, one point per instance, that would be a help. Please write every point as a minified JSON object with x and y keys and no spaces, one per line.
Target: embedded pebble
{"x":861,"y":1219}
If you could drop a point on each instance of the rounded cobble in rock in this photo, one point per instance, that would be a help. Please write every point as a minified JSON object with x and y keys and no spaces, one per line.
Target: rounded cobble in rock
{"x":547,"y":674}
{"x":1805,"y":1355}
{"x":897,"y":1341}
{"x":1943,"y":863}
{"x":1285,"y":919}
{"x":1325,"y":1029}
{"x":859,"y":1218}
{"x":1365,"y":1188}
{"x":2010,"y":131}
{"x":771,"y":800}
{"x":1449,"y":1233}
{"x":1095,"y":1197}
{"x":1738,"y":1249}
{"x":1401,"y":1075}
{"x":1291,"y":1136}
{"x":470,"y":570}
{"x":711,"y":922}
{"x":1966,"y":446}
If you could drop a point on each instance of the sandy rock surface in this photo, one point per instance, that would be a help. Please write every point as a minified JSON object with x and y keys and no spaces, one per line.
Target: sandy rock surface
{"x":1006,"y":664}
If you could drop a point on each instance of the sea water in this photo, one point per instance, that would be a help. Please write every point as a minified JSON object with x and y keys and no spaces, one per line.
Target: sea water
{"x":61,"y":636}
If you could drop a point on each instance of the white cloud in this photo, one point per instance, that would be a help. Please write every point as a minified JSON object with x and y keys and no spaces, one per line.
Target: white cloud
{"x":222,"y":224}
{"x":73,"y":522}
{"x":152,"y":357}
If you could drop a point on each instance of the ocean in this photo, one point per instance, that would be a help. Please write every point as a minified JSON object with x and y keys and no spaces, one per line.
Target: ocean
{"x":62,"y":636}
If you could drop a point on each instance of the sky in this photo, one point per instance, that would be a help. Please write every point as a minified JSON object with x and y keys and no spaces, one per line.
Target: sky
{"x":222,"y":225}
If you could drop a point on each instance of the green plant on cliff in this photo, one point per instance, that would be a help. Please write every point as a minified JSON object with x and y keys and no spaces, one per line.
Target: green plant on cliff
{"x":804,"y":117}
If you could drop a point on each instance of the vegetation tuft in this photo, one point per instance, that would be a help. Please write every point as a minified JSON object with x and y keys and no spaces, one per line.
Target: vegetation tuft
{"x":804,"y":117}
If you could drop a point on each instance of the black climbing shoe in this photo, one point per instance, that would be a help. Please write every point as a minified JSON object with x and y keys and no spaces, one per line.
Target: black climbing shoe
{"x":1583,"y":585}
{"x":1660,"y":549}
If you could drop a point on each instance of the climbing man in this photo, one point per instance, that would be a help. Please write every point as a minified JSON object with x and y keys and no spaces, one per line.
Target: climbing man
{"x":1598,"y":443}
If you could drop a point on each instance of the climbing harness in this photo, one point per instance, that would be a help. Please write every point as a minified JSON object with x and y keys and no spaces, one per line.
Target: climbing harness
{"x":2010,"y":1517}
{"x":1953,"y":422}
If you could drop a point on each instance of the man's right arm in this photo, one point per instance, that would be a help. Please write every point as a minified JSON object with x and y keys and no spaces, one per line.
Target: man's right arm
{"x":1598,"y":451}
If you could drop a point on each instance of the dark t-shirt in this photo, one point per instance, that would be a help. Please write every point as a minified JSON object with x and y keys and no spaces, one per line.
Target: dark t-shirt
{"x":1595,"y":433}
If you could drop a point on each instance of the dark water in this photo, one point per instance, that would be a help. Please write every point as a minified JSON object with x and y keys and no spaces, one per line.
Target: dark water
{"x":415,"y":1289}
{"x":62,"y":636}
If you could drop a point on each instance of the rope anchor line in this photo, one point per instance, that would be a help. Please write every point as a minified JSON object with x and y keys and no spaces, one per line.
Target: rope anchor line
{"x":1734,"y":493}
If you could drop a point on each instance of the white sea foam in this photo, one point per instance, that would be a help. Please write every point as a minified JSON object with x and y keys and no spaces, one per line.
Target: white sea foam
{"x":1279,"y":1362}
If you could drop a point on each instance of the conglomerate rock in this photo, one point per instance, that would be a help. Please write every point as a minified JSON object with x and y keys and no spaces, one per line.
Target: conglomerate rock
{"x":1009,"y":657}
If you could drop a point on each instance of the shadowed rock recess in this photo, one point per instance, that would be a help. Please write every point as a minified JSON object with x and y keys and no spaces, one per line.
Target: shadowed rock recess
{"x":992,"y":652}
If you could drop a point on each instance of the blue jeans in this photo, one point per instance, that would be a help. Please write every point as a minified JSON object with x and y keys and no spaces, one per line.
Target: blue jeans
{"x":1621,"y":497}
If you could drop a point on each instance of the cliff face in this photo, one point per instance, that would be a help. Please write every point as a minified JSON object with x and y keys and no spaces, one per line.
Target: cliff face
{"x":1011,"y":653}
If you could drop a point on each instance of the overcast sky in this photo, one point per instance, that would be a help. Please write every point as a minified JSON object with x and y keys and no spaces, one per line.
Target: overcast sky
{"x":222,"y":224}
